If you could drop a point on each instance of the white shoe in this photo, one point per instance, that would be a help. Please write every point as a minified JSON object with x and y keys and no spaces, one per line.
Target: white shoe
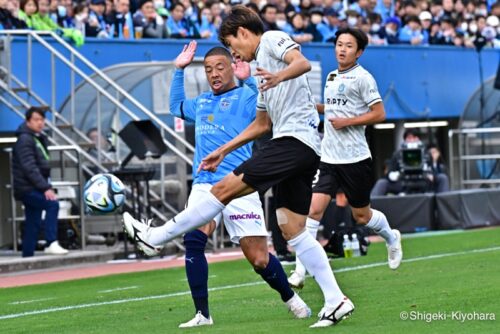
{"x":395,"y":252}
{"x":139,"y":233}
{"x":329,"y":316}
{"x":296,"y":280}
{"x":55,"y":249}
{"x":298,"y":307}
{"x":198,"y":320}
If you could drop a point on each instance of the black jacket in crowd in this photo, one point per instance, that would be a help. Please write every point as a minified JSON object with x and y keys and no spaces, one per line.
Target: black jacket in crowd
{"x":8,"y":21}
{"x":30,"y":166}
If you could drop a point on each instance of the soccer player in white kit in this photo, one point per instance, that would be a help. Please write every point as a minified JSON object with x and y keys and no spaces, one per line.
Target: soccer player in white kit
{"x":351,"y":101}
{"x":289,"y":161}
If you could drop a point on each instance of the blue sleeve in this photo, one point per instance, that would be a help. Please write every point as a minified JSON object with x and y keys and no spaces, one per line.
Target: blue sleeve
{"x":179,"y":105}
{"x":251,"y":83}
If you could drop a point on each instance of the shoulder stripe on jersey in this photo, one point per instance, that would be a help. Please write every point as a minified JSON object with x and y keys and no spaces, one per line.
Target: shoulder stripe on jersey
{"x":182,"y":111}
{"x":294,"y":45}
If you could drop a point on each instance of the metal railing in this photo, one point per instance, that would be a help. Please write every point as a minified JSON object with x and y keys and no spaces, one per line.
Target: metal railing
{"x":177,"y":147}
{"x":474,"y":157}
{"x":100,"y":91}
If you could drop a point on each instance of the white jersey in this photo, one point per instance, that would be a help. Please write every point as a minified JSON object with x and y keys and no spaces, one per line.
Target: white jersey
{"x":347,"y":94}
{"x":290,"y":104}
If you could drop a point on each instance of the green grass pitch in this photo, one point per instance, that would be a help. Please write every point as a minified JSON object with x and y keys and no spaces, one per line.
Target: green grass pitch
{"x":444,"y":278}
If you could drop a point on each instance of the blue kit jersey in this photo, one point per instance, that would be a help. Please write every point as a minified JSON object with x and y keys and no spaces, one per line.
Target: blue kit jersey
{"x":218,"y":118}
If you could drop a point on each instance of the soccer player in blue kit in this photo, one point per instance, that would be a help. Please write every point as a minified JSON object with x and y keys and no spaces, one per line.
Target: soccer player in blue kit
{"x":219,"y":116}
{"x":288,"y":161}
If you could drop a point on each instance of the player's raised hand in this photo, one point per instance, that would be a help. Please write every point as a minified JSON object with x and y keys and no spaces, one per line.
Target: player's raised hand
{"x":241,"y":69}
{"x":186,"y":56}
{"x":270,"y":80}
{"x":211,"y":161}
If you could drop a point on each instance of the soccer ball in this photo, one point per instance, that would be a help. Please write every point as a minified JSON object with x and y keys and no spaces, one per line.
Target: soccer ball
{"x":104,"y":193}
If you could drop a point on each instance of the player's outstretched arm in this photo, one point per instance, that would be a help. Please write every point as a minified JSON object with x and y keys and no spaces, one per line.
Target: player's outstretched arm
{"x":257,"y":128}
{"x":186,"y":56}
{"x":297,"y":65}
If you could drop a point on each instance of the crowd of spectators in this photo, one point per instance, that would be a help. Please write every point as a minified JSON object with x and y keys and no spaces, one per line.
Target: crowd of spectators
{"x":463,"y":23}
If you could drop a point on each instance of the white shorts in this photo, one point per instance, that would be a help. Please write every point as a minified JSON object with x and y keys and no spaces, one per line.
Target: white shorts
{"x":243,"y":217}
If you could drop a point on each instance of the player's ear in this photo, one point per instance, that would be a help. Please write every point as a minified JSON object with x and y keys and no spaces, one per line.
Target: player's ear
{"x":359,"y":53}
{"x":241,"y":32}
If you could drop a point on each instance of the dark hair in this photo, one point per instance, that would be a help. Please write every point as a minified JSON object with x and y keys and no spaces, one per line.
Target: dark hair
{"x":240,"y":16}
{"x":89,"y":131}
{"x":411,"y":132}
{"x":35,"y":110}
{"x":175,"y":4}
{"x":219,"y":51}
{"x":409,"y":4}
{"x":413,"y":18}
{"x":253,"y":7}
{"x":143,"y":2}
{"x":360,"y":36}
{"x":23,"y":3}
{"x":266,"y":7}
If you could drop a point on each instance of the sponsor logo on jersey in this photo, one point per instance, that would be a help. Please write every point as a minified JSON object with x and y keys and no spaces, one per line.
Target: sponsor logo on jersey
{"x":207,"y":118}
{"x":340,"y":102}
{"x":281,"y":42}
{"x":312,"y":123}
{"x":225,"y":104}
{"x":244,"y":216}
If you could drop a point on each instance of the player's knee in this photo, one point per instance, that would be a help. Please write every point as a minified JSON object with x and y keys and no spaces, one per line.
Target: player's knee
{"x":221,"y":191}
{"x":315,"y":214}
{"x":260,"y":262}
{"x":229,"y":187}
{"x":361,"y":217}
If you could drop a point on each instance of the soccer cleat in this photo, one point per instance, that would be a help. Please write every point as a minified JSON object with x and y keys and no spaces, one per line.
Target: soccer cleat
{"x":55,"y":249}
{"x":298,"y":307}
{"x":139,"y":233}
{"x":329,"y":316}
{"x":296,"y":280}
{"x":198,"y":320}
{"x":395,"y":252}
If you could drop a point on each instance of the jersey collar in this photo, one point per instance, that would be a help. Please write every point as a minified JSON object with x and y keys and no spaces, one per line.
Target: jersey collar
{"x":349,"y":69}
{"x":227,"y":91}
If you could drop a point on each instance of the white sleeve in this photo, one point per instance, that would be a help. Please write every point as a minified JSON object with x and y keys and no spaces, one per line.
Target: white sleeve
{"x":368,"y":90}
{"x":261,"y":104}
{"x":278,"y":43}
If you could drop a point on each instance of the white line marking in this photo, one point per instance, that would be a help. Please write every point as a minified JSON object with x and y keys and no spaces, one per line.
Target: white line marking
{"x":30,"y":301}
{"x":119,"y":289}
{"x":184,"y":293}
{"x":416,"y":259}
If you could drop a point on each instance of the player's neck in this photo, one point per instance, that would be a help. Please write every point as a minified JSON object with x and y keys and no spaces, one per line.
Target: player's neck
{"x":255,"y":41}
{"x":347,"y":67}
